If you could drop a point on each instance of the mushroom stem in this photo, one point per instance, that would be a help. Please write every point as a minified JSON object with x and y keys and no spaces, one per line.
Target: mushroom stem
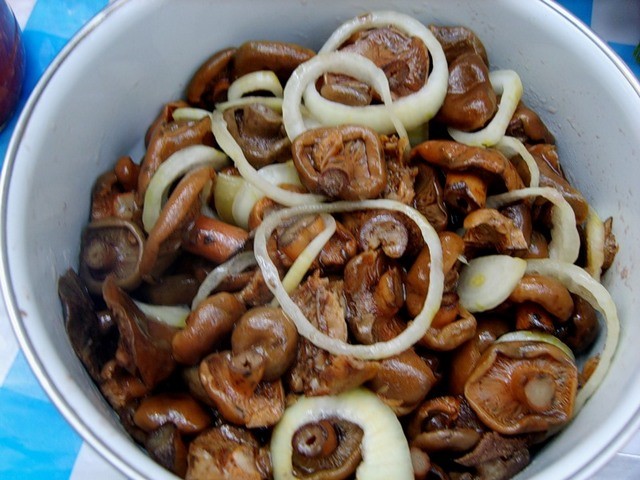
{"x":316,"y":439}
{"x":539,"y":392}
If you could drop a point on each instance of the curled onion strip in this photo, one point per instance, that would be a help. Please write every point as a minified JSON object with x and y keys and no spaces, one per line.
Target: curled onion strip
{"x":511,"y":147}
{"x":233,"y":266}
{"x":172,"y":315}
{"x":274,"y":103}
{"x":170,"y":170}
{"x":533,"y":336}
{"x":414,"y":331}
{"x":594,"y":230}
{"x":580,"y":283}
{"x":385,"y":451}
{"x":301,"y":264}
{"x":412,"y":110}
{"x":190,"y":113}
{"x":250,"y":174}
{"x":508,"y":84}
{"x":262,"y":80}
{"x":565,"y":239}
{"x":302,"y":82}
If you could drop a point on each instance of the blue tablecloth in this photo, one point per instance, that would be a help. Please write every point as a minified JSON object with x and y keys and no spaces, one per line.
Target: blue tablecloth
{"x":35,"y":441}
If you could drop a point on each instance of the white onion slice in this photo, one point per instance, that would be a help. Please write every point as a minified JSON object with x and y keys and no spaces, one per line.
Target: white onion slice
{"x":172,"y":315}
{"x":510,"y":147}
{"x":226,"y":190}
{"x":580,"y":283}
{"x":274,"y":103}
{"x":486,"y":282}
{"x":565,"y":239}
{"x":250,"y":174}
{"x":301,"y":265}
{"x":412,"y":110}
{"x":385,"y":451}
{"x":508,"y":84}
{"x":414,"y":331}
{"x":261,"y":80}
{"x":233,"y":266}
{"x":170,"y":170}
{"x":190,"y":113}
{"x":533,"y":336}
{"x":302,"y":82}
{"x":595,"y":237}
{"x":248,"y":195}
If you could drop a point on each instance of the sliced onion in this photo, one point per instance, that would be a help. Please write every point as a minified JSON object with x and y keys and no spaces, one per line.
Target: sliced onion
{"x":261,"y":80}
{"x":190,"y":113}
{"x":511,"y":147}
{"x":226,"y":189}
{"x":414,"y":331}
{"x":233,"y":266}
{"x":274,"y":103}
{"x":486,"y":282}
{"x":275,"y":174}
{"x":533,"y":336}
{"x":250,"y":174}
{"x":172,"y":315}
{"x":302,"y":82}
{"x":580,"y":283}
{"x":412,"y":110}
{"x":170,"y":170}
{"x":508,"y":84}
{"x":301,"y":264}
{"x":384,"y":448}
{"x":595,"y":237}
{"x":565,"y":239}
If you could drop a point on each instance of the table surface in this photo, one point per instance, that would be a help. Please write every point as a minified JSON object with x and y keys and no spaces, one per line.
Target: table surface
{"x":35,"y":441}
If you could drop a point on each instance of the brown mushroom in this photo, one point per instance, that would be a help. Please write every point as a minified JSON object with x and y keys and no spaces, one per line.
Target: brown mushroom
{"x":345,"y":162}
{"x":465,"y":191}
{"x":259,"y":132}
{"x":449,"y":334}
{"x":379,"y":229}
{"x":165,"y":446}
{"x":488,"y":230}
{"x":521,"y":387}
{"x":233,"y":384}
{"x":227,"y":453}
{"x":326,"y":450}
{"x":528,"y":127}
{"x":583,"y":328}
{"x":109,"y":199}
{"x":497,"y":457}
{"x":270,"y":333}
{"x":470,"y":101}
{"x":282,"y":58}
{"x":458,"y":40}
{"x":121,"y":389}
{"x":214,"y":239}
{"x":211,"y":81}
{"x":455,"y":156}
{"x":144,"y":349}
{"x":208,"y":324}
{"x":532,"y":316}
{"x":373,"y":290}
{"x":175,"y":289}
{"x":404,"y":60}
{"x":429,"y":197}
{"x":168,"y":139}
{"x":547,"y":292}
{"x":538,"y":246}
{"x":115,"y":247}
{"x":293,"y":236}
{"x":341,"y":247}
{"x":167,"y":234}
{"x":610,"y":244}
{"x":179,"y":409}
{"x":401,"y":174}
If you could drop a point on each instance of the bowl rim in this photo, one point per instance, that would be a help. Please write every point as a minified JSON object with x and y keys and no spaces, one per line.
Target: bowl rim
{"x":41,"y":373}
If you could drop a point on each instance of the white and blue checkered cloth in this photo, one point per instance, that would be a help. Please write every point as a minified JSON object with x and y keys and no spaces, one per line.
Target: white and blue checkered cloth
{"x":35,"y":441}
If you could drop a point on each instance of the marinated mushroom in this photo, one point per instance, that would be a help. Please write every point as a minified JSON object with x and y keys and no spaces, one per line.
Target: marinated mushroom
{"x":114,"y":247}
{"x":471,"y":101}
{"x":268,"y":332}
{"x":259,"y":131}
{"x":465,"y":191}
{"x":522,"y":387}
{"x":179,"y":409}
{"x":379,"y":229}
{"x":110,"y":198}
{"x":429,"y":197}
{"x":458,"y":40}
{"x":345,"y":162}
{"x":328,"y":449}
{"x":547,"y":292}
{"x":448,"y":331}
{"x":497,"y":457}
{"x":282,"y":58}
{"x":211,"y":321}
{"x":487,"y":229}
{"x":582,"y":329}
{"x":401,"y":174}
{"x":213,"y":239}
{"x":166,"y":446}
{"x":227,"y":453}
{"x":527,"y":126}
{"x":211,"y":81}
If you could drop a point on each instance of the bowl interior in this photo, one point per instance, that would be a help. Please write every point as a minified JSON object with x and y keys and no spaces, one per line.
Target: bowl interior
{"x":98,"y":98}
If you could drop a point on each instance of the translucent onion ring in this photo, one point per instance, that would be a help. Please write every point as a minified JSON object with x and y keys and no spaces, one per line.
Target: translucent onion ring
{"x":580,"y":283}
{"x":302,"y":81}
{"x":412,"y":110}
{"x":250,"y":174}
{"x":414,"y":331}
{"x":261,"y":80}
{"x":595,"y":238}
{"x":190,"y":113}
{"x":565,"y":239}
{"x":508,"y":84}
{"x":510,"y":147}
{"x":274,"y":103}
{"x":172,"y":315}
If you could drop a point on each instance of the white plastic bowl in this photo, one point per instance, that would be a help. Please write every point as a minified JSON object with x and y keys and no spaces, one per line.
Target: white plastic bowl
{"x":96,"y":100}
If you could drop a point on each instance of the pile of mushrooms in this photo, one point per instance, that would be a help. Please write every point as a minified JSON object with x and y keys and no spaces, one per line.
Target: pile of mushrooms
{"x":361,"y":262}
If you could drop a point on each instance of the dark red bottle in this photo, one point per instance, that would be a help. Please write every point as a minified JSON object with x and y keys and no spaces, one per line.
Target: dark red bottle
{"x":11,"y":63}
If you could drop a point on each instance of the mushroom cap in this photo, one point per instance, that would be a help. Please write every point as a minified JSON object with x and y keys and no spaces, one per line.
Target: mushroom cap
{"x":521,"y":386}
